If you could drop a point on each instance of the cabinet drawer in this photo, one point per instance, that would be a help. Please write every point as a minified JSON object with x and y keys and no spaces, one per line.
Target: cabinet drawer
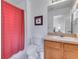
{"x":53,"y":44}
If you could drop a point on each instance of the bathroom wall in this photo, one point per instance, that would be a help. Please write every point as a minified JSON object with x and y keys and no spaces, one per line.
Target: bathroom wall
{"x":39,"y":7}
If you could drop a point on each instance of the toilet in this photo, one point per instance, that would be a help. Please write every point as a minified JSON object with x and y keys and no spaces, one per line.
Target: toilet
{"x":31,"y":52}
{"x":35,"y":48}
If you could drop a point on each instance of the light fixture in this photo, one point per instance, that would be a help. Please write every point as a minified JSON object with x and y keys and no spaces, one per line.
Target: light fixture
{"x":58,"y":1}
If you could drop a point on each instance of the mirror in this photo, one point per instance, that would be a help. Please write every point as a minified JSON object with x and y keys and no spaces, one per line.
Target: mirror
{"x":60,"y":17}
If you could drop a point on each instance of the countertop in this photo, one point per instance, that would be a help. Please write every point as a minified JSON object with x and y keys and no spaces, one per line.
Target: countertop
{"x":62,"y":39}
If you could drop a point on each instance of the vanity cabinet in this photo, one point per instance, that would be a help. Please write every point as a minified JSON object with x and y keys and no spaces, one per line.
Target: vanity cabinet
{"x":58,"y":50}
{"x":53,"y":50}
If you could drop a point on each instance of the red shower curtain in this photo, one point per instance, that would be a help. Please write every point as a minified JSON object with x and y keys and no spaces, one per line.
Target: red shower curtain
{"x":12,"y":30}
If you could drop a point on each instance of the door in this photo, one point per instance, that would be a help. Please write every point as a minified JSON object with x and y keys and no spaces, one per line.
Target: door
{"x":70,"y":51}
{"x":52,"y":53}
{"x":53,"y":50}
{"x":12,"y":24}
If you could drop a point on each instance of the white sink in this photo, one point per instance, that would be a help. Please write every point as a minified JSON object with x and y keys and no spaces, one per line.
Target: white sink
{"x":70,"y":39}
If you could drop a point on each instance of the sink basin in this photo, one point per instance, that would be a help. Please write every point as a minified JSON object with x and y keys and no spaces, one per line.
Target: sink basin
{"x":70,"y":39}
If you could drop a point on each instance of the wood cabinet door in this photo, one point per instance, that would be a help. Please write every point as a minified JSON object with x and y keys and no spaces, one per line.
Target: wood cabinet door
{"x":53,"y":52}
{"x":70,"y":51}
